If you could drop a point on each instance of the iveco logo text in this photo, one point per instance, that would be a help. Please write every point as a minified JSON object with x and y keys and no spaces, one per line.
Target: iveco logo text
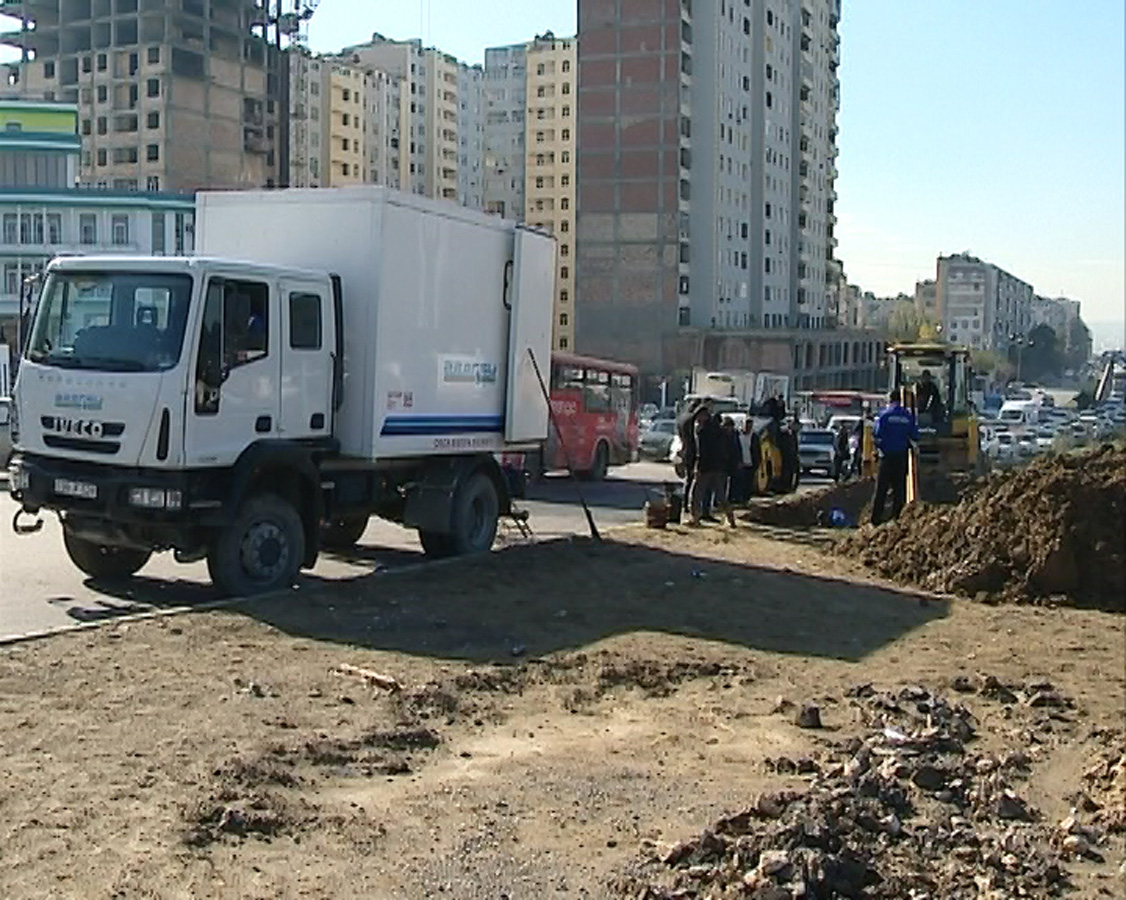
{"x":77,"y":427}
{"x":85,"y":402}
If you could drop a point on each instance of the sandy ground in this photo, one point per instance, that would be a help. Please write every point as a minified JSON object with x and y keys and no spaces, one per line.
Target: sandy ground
{"x":560,"y":708}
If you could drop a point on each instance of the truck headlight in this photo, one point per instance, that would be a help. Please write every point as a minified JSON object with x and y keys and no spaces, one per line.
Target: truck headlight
{"x":19,"y":478}
{"x":155,"y":498}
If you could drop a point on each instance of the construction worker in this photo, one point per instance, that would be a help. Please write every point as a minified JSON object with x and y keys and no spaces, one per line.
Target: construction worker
{"x":896,"y":430}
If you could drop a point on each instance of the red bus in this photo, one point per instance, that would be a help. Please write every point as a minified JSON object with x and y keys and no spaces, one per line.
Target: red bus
{"x":594,"y":403}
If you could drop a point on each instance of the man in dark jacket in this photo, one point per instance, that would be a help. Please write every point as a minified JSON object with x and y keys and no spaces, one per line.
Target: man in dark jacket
{"x":711,"y":464}
{"x":686,"y":428}
{"x":733,"y":469}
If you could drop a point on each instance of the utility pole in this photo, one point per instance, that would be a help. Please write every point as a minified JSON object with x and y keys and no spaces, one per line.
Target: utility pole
{"x":282,"y":157}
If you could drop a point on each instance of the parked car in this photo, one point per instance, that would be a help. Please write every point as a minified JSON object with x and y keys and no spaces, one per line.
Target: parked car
{"x":815,"y":450}
{"x":1045,"y":439}
{"x":1004,"y":449}
{"x":656,"y":440}
{"x":5,"y":431}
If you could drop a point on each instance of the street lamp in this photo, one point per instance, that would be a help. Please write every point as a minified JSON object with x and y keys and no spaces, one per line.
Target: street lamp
{"x":1020,"y":341}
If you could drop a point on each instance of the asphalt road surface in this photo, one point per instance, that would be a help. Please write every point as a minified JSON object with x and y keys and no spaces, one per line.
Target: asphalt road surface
{"x":41,"y":590}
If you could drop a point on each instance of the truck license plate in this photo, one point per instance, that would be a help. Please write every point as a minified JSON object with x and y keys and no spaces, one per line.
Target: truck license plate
{"x":81,"y":489}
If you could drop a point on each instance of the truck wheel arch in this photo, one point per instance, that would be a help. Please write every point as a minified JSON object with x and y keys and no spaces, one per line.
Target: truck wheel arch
{"x":286,"y":469}
{"x":429,"y":504}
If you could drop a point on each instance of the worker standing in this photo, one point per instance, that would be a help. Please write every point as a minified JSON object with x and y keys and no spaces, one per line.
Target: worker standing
{"x":895,"y":431}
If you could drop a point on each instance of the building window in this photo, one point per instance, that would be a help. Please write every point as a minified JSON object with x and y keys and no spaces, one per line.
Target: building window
{"x":346,"y":168}
{"x":347,"y":95}
{"x":564,"y":250}
{"x":539,"y":181}
{"x":154,"y":54}
{"x":120,"y":225}
{"x":564,"y":272}
{"x":564,"y":226}
{"x":54,"y":228}
{"x":563,"y":343}
{"x":345,"y":144}
{"x":564,"y":296}
{"x":563,"y":319}
{"x":152,"y":184}
{"x":565,"y":180}
{"x":11,"y":228}
{"x":152,"y":152}
{"x":86,"y":128}
{"x":565,"y":203}
{"x":49,"y":69}
{"x":153,"y":120}
{"x":87,"y":229}
{"x":347,"y":119}
{"x":567,"y":133}
{"x":102,"y":156}
{"x":152,"y":87}
{"x":566,"y":65}
{"x":102,"y":127}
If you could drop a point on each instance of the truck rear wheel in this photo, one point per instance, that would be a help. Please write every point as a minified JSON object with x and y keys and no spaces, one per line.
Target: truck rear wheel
{"x":476,"y":515}
{"x":601,"y":463}
{"x":343,"y":533}
{"x":102,"y":560}
{"x":260,"y":551}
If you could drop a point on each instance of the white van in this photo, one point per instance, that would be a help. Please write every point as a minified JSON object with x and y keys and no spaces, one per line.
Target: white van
{"x":1017,"y":413}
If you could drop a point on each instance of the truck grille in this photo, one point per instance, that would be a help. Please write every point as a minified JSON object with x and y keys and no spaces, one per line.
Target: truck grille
{"x":82,"y":445}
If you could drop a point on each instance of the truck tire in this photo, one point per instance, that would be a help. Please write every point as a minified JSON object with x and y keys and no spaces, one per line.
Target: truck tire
{"x":476,"y":515}
{"x":103,"y":561}
{"x":343,"y":533}
{"x":260,"y":551}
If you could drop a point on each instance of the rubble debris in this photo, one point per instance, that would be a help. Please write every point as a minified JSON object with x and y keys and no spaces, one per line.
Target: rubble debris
{"x":809,"y":716}
{"x":373,"y":678}
{"x":907,"y":810}
{"x":1050,"y":531}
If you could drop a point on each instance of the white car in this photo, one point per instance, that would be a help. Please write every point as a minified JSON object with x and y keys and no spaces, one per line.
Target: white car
{"x":1045,"y":439}
{"x":1004,"y":448}
{"x":815,"y":450}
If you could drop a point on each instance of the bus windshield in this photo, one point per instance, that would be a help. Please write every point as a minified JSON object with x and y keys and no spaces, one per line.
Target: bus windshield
{"x":126,"y":321}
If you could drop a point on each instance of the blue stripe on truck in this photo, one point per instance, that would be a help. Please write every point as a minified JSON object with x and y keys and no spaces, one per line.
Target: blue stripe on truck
{"x":403,"y":426}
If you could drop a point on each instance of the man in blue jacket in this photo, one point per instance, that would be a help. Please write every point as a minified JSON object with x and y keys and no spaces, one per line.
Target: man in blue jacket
{"x":895,"y":431}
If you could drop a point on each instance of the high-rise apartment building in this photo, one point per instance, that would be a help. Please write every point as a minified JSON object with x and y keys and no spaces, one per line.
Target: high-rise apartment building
{"x":344,"y":123}
{"x":549,"y":164}
{"x":172,"y":94}
{"x":429,"y":113}
{"x":471,"y":136}
{"x":505,"y":94}
{"x":980,"y":304}
{"x":706,"y":170}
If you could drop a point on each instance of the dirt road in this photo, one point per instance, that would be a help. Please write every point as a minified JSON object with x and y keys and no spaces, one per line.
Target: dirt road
{"x":560,"y":716}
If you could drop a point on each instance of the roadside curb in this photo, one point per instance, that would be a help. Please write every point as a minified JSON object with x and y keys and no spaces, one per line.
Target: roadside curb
{"x":230,"y":602}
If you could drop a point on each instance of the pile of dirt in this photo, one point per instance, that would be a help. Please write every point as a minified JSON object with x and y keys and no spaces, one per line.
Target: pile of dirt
{"x":807,"y":509}
{"x":1050,"y":531}
{"x":811,"y":508}
{"x":908,"y":809}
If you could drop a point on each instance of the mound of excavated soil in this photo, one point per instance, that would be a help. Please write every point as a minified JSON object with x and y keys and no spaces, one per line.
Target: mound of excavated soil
{"x":854,"y":498}
{"x":1053,"y":530}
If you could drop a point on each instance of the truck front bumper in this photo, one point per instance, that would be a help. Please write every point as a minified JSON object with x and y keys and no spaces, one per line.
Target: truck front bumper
{"x":124,"y":506}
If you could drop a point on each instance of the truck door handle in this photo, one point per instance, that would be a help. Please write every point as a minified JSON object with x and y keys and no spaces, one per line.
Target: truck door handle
{"x":263,"y":424}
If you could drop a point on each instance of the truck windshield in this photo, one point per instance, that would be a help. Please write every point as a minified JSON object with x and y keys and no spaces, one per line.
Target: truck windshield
{"x":111,"y":321}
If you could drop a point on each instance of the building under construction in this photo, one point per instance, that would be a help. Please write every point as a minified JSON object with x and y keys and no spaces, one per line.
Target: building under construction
{"x":173,"y":95}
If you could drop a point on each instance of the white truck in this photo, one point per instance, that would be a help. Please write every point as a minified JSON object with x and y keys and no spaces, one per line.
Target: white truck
{"x":745,"y":387}
{"x":328,"y":356}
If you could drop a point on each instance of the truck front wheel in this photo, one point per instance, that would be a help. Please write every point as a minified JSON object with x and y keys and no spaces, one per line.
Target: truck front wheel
{"x":102,"y":560}
{"x":260,"y":551}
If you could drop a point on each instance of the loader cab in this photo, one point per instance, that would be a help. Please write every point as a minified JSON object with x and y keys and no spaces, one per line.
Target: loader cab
{"x":940,"y":369}
{"x":949,"y":430}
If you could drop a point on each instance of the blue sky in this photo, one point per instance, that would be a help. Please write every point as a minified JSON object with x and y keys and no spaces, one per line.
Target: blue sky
{"x":994,"y":126}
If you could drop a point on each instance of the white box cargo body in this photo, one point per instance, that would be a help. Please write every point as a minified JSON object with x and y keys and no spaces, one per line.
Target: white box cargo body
{"x":441,"y":306}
